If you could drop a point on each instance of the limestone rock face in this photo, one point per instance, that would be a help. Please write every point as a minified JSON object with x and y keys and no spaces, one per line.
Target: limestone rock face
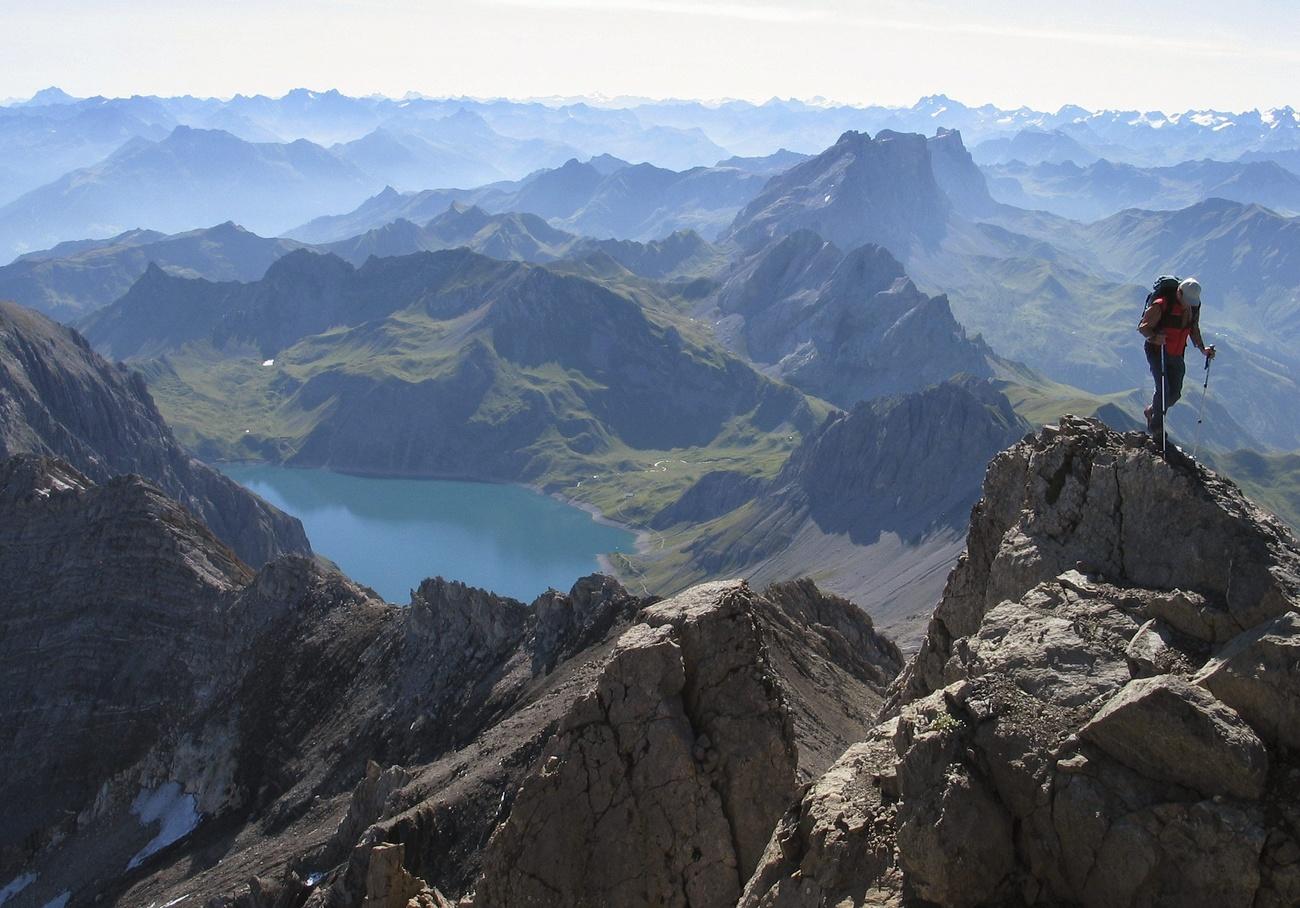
{"x":685,"y":749}
{"x":1110,"y":734}
{"x":59,"y":398}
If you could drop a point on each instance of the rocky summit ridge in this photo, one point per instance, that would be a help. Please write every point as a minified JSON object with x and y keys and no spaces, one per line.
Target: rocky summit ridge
{"x":1096,"y":714}
{"x":1103,"y":712}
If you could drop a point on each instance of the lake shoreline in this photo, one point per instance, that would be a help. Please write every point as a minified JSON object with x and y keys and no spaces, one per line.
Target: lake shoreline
{"x":642,"y":538}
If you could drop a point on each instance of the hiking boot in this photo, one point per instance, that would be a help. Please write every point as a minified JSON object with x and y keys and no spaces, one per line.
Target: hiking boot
{"x":1149,"y":412}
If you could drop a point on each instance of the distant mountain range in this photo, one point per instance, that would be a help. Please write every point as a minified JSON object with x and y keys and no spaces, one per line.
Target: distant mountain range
{"x":54,"y":133}
{"x":75,"y":278}
{"x":512,"y":236}
{"x":1102,"y":188}
{"x":604,"y":197}
{"x":924,"y":200}
{"x":191,"y":177}
{"x":71,"y":280}
{"x":1034,"y":146}
{"x":457,"y":150}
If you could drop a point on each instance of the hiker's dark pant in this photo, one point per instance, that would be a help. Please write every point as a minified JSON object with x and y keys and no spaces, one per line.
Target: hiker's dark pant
{"x":1174,"y":370}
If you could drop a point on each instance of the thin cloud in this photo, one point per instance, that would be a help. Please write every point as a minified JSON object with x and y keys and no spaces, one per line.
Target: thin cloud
{"x":1101,"y":39}
{"x":746,"y":12}
{"x":757,"y":12}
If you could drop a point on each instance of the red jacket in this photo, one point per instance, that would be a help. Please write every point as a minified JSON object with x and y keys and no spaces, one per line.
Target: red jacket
{"x":1176,"y":323}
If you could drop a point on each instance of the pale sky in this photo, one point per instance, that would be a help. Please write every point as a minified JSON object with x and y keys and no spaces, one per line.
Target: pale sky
{"x":1157,"y":54}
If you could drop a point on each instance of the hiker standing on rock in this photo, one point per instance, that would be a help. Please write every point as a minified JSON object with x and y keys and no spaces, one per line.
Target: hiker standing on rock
{"x":1172,"y":317}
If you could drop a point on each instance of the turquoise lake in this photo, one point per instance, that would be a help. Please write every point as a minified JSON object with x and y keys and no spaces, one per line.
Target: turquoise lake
{"x":390,"y":534}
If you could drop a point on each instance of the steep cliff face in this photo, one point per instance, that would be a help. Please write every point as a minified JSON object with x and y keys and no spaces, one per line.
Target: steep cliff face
{"x":1101,"y":712}
{"x":185,"y":728}
{"x":958,"y":175}
{"x":61,"y":399}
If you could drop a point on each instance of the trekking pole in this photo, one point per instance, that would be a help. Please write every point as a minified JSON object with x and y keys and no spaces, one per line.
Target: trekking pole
{"x":1200,"y":414}
{"x":1164,"y":403}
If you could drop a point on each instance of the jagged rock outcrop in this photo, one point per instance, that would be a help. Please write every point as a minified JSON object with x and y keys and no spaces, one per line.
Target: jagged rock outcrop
{"x":59,"y":398}
{"x":183,"y":727}
{"x":686,"y":748}
{"x":1059,"y":739}
{"x":683,"y":749}
{"x":1081,"y":494}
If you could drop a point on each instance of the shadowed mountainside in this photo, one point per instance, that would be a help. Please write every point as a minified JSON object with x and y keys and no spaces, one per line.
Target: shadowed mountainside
{"x":60,"y":398}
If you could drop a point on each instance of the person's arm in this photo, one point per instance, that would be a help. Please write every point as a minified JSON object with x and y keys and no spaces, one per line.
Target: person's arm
{"x":1150,"y":324}
{"x":1199,"y":341}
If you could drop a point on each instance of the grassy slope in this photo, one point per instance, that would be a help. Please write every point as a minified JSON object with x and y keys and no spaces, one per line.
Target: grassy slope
{"x":226,"y":404}
{"x":1271,"y":480}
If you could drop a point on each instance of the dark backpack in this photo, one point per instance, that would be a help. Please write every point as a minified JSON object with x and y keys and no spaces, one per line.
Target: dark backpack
{"x":1165,"y":288}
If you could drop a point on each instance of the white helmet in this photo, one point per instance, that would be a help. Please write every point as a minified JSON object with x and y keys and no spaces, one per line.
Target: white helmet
{"x":1189,"y":291}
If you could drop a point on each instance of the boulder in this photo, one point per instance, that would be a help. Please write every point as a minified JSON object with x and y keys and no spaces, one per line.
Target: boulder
{"x":1258,"y":675}
{"x":1167,"y":728}
{"x":955,"y":840}
{"x":1156,"y":650}
{"x":836,"y":845}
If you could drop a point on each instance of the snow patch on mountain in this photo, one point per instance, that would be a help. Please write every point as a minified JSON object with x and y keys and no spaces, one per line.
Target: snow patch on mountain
{"x":169,"y":806}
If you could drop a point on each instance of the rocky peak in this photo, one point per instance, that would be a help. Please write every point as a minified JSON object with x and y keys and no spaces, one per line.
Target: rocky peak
{"x":1080,"y":494}
{"x":662,"y":781}
{"x":958,"y":175}
{"x":455,"y":617}
{"x":1099,"y":712}
{"x":860,"y":190}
